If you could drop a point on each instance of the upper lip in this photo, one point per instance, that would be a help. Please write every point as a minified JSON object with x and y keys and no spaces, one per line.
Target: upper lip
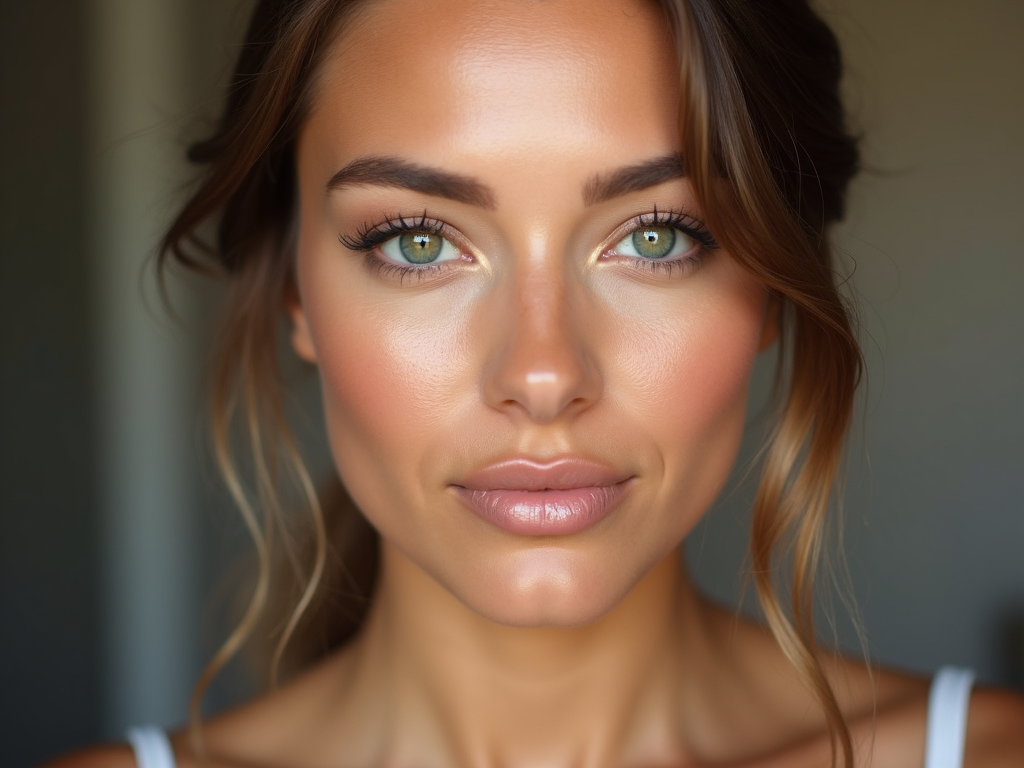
{"x":523,"y":474}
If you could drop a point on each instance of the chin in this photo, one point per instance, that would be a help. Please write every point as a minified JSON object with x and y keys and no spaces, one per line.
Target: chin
{"x":546,"y":586}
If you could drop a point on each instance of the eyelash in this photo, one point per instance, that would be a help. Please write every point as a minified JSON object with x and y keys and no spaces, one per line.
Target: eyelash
{"x":688,"y":225}
{"x":370,"y":236}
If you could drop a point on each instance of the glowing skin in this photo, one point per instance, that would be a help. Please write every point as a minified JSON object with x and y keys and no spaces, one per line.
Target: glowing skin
{"x":535,"y":343}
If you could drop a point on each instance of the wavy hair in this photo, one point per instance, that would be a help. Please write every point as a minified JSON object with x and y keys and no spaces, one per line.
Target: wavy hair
{"x":770,"y":158}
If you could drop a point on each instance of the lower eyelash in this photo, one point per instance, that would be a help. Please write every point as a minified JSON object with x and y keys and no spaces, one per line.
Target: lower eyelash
{"x":389,"y":269}
{"x":674,"y":267}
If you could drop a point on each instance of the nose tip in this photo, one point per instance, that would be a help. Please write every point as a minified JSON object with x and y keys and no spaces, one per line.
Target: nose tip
{"x":540,"y":378}
{"x":544,"y":396}
{"x":542,"y":369}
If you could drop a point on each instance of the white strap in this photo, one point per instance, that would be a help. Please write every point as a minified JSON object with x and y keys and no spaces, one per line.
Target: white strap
{"x":947,"y":717}
{"x":152,"y":748}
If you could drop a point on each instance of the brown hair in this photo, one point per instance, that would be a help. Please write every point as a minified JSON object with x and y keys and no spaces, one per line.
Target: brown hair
{"x":770,"y":158}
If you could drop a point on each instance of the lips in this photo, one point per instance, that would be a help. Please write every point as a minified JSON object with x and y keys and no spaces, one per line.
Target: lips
{"x":543,"y":499}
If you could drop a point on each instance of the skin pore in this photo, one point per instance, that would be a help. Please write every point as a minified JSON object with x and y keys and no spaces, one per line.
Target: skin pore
{"x":524,"y":143}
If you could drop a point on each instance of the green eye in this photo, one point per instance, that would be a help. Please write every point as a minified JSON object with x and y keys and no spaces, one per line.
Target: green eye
{"x":654,"y":242}
{"x":420,"y":247}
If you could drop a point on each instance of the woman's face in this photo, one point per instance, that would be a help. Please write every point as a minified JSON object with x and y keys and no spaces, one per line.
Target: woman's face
{"x":534,"y":359}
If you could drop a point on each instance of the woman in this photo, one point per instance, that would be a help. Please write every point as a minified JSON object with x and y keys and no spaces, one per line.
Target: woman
{"x":533,"y":249}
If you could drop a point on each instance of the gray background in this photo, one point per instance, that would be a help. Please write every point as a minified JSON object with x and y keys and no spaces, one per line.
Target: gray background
{"x":113,"y":527}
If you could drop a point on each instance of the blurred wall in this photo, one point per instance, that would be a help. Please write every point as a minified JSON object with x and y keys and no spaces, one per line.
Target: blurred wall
{"x":49,"y":516}
{"x":104,"y":552}
{"x":107,"y":552}
{"x":938,"y":237}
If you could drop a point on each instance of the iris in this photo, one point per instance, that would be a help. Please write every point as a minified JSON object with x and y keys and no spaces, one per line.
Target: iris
{"x":654,"y":242}
{"x":420,"y":247}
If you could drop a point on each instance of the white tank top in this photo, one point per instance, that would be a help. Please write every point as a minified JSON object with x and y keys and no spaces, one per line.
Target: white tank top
{"x":948,"y":700}
{"x":152,"y":749}
{"x":947,"y":718}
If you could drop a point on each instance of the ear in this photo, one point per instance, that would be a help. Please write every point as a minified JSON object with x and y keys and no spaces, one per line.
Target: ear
{"x":302,"y":339}
{"x":771,"y":324}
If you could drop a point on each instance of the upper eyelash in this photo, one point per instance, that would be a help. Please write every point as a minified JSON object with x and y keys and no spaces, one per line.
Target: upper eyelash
{"x":369,"y":236}
{"x":684,"y":222}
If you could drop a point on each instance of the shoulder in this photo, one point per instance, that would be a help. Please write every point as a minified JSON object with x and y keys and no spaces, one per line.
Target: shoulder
{"x":995,"y":730}
{"x":122,"y":756}
{"x":995,"y":725}
{"x":96,"y":757}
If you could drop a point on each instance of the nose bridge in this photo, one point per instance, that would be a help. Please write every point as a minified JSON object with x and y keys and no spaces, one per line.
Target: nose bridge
{"x":541,"y":363}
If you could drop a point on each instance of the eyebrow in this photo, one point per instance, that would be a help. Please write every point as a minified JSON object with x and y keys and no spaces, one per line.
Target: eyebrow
{"x":633,"y":178}
{"x":395,"y":172}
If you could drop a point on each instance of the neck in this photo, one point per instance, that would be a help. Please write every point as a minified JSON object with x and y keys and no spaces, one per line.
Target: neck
{"x":615,"y":691}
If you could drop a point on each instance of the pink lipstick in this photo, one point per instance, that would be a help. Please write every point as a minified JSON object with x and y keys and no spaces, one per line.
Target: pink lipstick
{"x":530,"y":498}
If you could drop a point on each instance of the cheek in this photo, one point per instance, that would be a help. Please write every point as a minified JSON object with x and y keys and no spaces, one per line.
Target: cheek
{"x":685,"y":368}
{"x":376,"y":374}
{"x":390,"y":371}
{"x":702,"y":387}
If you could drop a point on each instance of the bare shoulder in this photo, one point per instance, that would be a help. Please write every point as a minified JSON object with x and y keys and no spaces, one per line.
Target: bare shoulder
{"x":121,"y":756}
{"x":874,"y":691}
{"x":896,"y":728}
{"x":995,"y":730}
{"x":262,"y":731}
{"x":96,"y":757}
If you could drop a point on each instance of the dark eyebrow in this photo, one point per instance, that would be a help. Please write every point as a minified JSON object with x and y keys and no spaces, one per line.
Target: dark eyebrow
{"x":633,"y":178}
{"x":394,"y":172}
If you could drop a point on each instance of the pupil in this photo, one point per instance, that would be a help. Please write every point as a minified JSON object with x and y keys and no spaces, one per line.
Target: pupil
{"x":420,"y":247}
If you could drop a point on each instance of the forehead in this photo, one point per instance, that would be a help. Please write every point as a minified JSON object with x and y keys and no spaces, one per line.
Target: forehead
{"x":515,"y":78}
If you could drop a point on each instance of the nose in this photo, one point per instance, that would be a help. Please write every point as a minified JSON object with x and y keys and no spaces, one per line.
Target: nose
{"x":541,"y":364}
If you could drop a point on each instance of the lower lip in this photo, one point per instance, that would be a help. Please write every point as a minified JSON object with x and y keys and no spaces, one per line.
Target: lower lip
{"x":544,"y":513}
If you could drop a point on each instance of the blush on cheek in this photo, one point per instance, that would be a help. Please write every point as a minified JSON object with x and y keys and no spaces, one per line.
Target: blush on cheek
{"x":378,"y":394}
{"x":694,"y":365}
{"x":692,"y":376}
{"x":367,"y":406}
{"x":391,"y":372}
